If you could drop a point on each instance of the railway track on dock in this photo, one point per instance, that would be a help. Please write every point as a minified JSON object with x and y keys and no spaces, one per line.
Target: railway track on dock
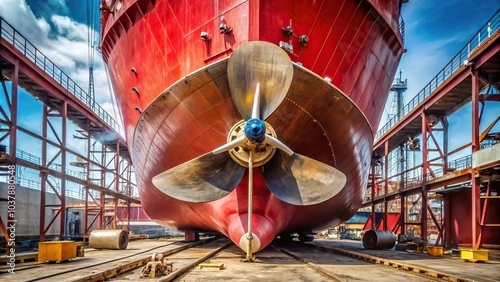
{"x":293,"y":261}
{"x":219,"y":259}
{"x":336,"y":265}
{"x":407,"y":267}
{"x":108,"y":264}
{"x":35,"y":264}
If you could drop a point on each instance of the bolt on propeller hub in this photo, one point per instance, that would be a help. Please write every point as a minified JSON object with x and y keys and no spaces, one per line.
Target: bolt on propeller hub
{"x":263,"y":152}
{"x":255,"y":129}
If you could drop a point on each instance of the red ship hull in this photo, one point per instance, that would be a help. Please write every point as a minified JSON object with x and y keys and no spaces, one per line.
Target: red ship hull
{"x":188,"y":110}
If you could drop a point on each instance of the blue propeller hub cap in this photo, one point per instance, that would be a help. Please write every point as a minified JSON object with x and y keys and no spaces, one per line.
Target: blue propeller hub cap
{"x":255,"y":129}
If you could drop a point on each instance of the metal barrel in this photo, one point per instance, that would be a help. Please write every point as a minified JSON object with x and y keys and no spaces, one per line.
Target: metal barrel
{"x":108,"y":239}
{"x":379,"y":239}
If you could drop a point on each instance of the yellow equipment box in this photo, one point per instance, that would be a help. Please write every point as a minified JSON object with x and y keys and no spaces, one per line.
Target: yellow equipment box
{"x":56,"y":251}
{"x":436,"y":251}
{"x":474,"y":255}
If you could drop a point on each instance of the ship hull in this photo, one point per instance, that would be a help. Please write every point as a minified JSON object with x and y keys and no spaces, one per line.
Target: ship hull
{"x":187,"y":108}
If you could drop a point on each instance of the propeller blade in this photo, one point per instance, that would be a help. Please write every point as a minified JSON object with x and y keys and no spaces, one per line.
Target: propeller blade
{"x":230,"y":145}
{"x":263,"y":63}
{"x":256,"y":103}
{"x":299,"y":180}
{"x":203,"y":179}
{"x":278,"y":144}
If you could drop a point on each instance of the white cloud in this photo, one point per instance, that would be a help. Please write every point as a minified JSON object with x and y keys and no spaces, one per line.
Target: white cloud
{"x":14,"y":10}
{"x":66,"y":45}
{"x":69,"y":29}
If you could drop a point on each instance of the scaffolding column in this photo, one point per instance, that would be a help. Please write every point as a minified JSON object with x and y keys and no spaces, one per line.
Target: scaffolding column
{"x":386,"y":182}
{"x":13,"y":113}
{"x":64,"y":114}
{"x":476,"y":205}
{"x":372,"y":200}
{"x":12,"y":133}
{"x":402,"y":215}
{"x":117,"y":183}
{"x":43,"y":174}
{"x":86,"y":226}
{"x":425,"y":168}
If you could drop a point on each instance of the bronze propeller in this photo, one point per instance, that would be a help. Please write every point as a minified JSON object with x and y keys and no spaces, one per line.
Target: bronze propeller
{"x":259,"y":75}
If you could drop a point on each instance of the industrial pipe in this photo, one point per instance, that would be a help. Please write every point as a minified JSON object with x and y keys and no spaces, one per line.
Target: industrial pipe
{"x":379,"y":239}
{"x":108,"y":239}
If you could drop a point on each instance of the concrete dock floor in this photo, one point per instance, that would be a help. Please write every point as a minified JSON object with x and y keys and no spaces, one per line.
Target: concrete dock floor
{"x":451,"y":264}
{"x":274,"y":265}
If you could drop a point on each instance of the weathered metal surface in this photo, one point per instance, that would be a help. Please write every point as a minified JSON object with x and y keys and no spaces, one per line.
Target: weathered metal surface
{"x":188,"y":109}
{"x":204,"y":179}
{"x":299,"y":180}
{"x":321,"y":137}
{"x":260,"y":63}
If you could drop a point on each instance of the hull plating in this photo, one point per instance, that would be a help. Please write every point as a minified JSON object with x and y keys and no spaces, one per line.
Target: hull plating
{"x":188,"y":109}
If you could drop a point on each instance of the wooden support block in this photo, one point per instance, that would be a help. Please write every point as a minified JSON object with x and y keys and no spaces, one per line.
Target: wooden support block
{"x":219,"y":265}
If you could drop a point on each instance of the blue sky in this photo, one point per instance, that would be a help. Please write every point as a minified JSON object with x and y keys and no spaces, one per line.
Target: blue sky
{"x":435,"y":32}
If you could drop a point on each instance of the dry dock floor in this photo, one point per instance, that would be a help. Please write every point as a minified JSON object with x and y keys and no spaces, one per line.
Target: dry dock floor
{"x":450,"y":264}
{"x":80,"y":267}
{"x":275,"y":264}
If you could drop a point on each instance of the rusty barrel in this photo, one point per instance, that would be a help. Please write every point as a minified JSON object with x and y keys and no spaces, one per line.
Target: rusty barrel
{"x":108,"y":239}
{"x":379,"y":239}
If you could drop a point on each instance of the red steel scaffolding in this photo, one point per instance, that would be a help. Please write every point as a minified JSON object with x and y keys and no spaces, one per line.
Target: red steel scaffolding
{"x":107,"y":177}
{"x":465,"y":188}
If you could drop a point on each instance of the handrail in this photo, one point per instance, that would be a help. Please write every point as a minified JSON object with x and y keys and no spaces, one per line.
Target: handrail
{"x":485,"y":32}
{"x":12,"y":36}
{"x":32,"y":159}
{"x":31,"y":184}
{"x":402,"y":28}
{"x":412,"y":181}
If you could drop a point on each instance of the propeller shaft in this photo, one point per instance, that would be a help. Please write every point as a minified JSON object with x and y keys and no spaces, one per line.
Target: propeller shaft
{"x":250,"y":207}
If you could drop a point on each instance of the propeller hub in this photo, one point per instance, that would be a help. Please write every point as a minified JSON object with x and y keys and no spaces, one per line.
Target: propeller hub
{"x":263,"y":152}
{"x":255,"y":129}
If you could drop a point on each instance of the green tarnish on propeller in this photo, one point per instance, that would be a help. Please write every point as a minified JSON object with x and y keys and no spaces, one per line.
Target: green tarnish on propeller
{"x":259,"y":75}
{"x":204,"y":179}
